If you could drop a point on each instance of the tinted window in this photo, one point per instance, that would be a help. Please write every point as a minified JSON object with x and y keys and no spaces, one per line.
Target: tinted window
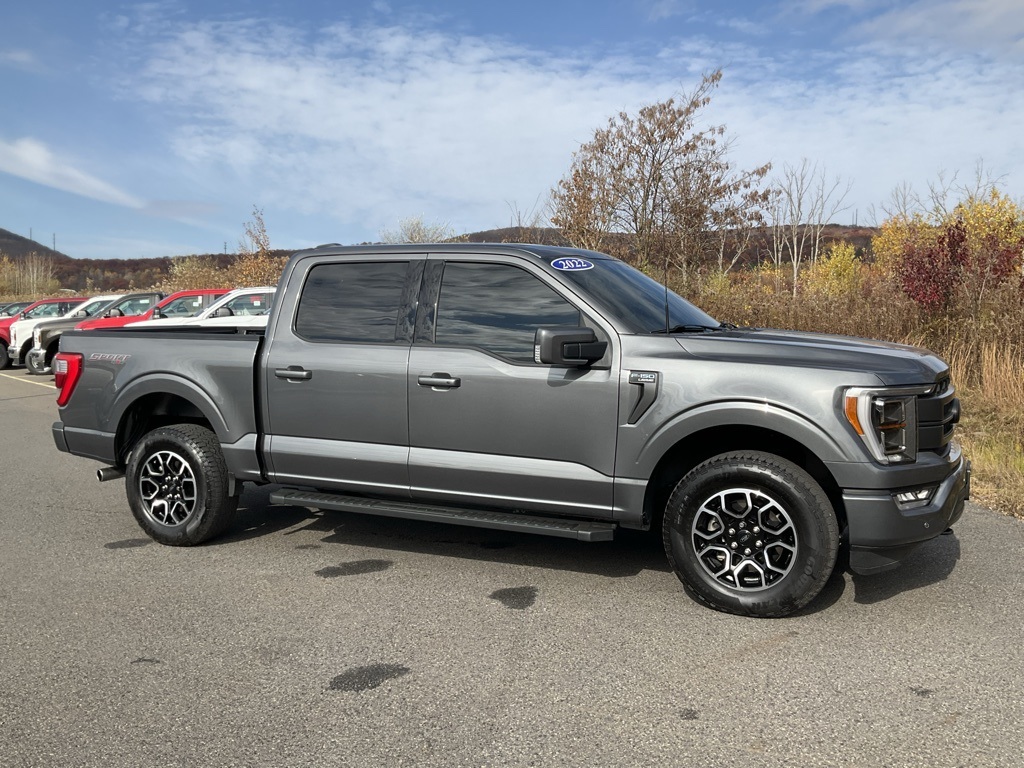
{"x":498,"y":308}
{"x":352,"y":302}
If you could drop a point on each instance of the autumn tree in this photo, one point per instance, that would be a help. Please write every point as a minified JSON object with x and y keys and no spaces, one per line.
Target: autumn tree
{"x":193,"y":272}
{"x":960,"y":254}
{"x":415,"y":230}
{"x":665,"y":181}
{"x":30,"y":275}
{"x":256,"y":265}
{"x":804,"y":200}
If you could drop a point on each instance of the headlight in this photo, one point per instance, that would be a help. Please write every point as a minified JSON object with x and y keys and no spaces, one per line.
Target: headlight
{"x":886,"y":420}
{"x":37,"y":338}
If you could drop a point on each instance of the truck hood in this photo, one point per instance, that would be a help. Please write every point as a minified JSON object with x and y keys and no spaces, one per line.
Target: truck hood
{"x":62,"y":323}
{"x":893,"y":364}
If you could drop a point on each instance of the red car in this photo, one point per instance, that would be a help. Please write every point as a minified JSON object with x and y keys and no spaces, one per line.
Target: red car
{"x":51,"y":308}
{"x":178,"y":305}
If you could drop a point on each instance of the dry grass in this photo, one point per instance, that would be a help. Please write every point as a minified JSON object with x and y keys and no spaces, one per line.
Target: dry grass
{"x":992,"y":431}
{"x":985,"y":351}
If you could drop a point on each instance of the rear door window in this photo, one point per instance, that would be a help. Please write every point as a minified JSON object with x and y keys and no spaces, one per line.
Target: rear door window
{"x":352,"y":302}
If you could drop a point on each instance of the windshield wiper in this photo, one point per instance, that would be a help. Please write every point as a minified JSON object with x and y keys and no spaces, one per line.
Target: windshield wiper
{"x":687,"y":329}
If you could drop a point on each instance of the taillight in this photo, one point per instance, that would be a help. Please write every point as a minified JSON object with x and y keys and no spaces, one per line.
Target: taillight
{"x":67,"y":367}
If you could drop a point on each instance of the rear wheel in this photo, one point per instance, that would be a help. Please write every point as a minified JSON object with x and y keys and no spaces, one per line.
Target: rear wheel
{"x":5,"y":359}
{"x":177,"y":485}
{"x":751,"y":533}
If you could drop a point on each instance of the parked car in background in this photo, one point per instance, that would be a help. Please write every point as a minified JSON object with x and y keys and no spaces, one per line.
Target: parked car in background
{"x":43,"y":308}
{"x":46,"y":335}
{"x":244,"y":302}
{"x":9,"y":310}
{"x":185,"y":304}
{"x":21,"y":330}
{"x":132,"y":307}
{"x":242,"y":307}
{"x":177,"y":306}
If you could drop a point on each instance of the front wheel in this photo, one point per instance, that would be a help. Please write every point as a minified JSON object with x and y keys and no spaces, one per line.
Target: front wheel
{"x":177,"y":485}
{"x":38,"y":365}
{"x":751,"y":533}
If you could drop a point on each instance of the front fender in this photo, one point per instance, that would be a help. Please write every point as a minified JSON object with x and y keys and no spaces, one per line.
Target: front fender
{"x":766,"y":416}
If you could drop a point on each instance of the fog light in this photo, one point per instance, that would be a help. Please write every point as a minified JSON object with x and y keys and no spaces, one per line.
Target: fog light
{"x":919,"y":497}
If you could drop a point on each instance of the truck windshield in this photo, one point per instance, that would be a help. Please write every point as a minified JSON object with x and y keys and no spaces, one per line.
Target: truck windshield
{"x":635,"y":300}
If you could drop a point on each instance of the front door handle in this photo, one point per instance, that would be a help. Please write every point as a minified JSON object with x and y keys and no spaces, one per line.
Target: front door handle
{"x":439,"y":380}
{"x":293,"y":373}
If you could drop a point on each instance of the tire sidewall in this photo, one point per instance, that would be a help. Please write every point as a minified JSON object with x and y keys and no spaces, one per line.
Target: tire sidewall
{"x":199,"y":524}
{"x":796,"y":492}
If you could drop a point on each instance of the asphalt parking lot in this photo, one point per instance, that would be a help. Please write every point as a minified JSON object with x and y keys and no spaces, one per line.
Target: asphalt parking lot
{"x":326,"y":639}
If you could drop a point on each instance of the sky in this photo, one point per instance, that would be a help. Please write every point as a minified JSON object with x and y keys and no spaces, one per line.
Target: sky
{"x":154,"y":129}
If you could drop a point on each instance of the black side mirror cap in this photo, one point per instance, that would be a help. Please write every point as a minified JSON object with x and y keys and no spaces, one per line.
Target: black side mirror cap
{"x":568,"y":346}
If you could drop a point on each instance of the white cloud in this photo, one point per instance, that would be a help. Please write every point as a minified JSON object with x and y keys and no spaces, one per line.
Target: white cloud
{"x":993,"y":26}
{"x":373,"y":123}
{"x":20,"y":59}
{"x":31,"y":159}
{"x":967,"y":24}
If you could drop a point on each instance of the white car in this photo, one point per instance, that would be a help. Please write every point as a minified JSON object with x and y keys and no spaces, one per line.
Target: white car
{"x":21,"y":331}
{"x":242,"y":307}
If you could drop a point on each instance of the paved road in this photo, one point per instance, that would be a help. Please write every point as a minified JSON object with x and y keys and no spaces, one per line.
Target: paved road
{"x":329,"y":639}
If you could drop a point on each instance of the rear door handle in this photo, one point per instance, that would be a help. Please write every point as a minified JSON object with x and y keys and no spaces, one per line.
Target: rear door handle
{"x":439,"y":380}
{"x":293,"y":373}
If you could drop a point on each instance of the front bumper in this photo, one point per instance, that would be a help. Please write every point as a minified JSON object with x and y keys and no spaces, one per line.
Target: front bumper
{"x":881,"y":534}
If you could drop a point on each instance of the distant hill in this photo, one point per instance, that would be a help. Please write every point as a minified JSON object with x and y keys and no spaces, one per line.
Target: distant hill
{"x":17,"y":246}
{"x":120,"y":274}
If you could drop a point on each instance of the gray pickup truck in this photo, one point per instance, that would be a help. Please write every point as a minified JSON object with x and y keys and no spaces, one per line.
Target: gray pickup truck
{"x":529,"y":388}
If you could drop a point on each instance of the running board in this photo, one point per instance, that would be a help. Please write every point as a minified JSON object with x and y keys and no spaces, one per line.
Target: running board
{"x":582,"y":530}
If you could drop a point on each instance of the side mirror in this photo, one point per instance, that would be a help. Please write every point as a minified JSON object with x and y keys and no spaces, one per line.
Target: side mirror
{"x":223,"y":312}
{"x":157,"y":312}
{"x":568,"y":346}
{"x":81,"y":313}
{"x":113,"y":313}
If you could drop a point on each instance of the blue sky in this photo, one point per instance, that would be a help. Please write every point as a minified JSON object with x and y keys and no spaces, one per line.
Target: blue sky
{"x":152,"y":129}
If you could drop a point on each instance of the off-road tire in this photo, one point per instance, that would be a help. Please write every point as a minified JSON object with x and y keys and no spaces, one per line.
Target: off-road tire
{"x":177,"y":485}
{"x":751,"y":533}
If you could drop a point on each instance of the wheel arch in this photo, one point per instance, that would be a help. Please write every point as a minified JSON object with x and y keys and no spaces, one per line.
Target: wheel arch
{"x":159,"y":403}
{"x":698,"y":446}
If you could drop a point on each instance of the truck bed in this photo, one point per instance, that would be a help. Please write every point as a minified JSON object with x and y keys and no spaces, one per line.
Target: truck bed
{"x":212,"y":368}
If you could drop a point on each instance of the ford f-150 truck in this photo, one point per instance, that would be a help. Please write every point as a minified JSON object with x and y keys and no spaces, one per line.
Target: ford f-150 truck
{"x":530,"y":388}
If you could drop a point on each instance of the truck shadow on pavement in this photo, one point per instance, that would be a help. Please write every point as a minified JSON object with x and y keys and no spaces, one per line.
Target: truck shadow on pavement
{"x":930,"y":563}
{"x":628,"y":554}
